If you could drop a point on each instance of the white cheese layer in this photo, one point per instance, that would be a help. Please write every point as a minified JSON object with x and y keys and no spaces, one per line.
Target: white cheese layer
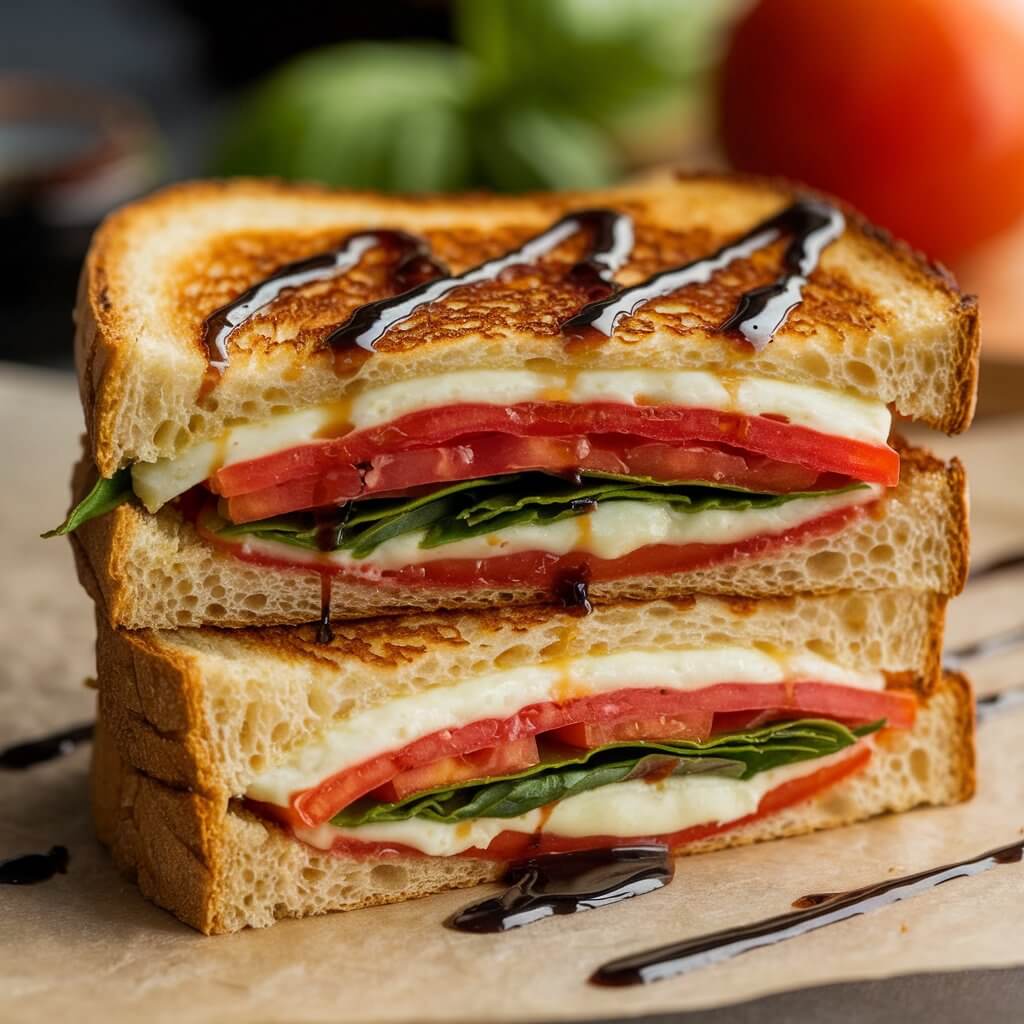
{"x":614,"y":529}
{"x":625,"y":809}
{"x":398,"y":722}
{"x":821,"y":409}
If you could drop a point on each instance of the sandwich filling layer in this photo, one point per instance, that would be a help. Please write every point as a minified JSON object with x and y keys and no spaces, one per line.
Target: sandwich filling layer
{"x":816,"y":409}
{"x":525,"y":474}
{"x":610,"y":531}
{"x":515,"y":751}
{"x":641,"y":808}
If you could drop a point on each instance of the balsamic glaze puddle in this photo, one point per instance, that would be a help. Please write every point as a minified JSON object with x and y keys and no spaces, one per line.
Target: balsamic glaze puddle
{"x":568,"y":883}
{"x":33,"y":868}
{"x":816,"y":911}
{"x":24,"y":755}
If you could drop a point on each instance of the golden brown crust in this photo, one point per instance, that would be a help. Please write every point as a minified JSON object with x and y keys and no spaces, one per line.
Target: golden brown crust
{"x":966,"y":724}
{"x":233,"y":233}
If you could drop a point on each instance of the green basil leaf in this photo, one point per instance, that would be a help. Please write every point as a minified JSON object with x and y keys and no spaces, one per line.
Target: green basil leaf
{"x":471,"y":508}
{"x":296,"y":526}
{"x":417,"y":518}
{"x":371,"y":510}
{"x":105,"y":496}
{"x":561,"y":775}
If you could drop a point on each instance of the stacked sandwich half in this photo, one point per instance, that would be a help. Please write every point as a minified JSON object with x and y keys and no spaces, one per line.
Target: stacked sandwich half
{"x":429,"y":534}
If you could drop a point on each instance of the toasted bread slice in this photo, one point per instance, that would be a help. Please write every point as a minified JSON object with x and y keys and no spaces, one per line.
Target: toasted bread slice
{"x":156,"y":572}
{"x":876,"y":320}
{"x":210,"y":709}
{"x":220,"y":869}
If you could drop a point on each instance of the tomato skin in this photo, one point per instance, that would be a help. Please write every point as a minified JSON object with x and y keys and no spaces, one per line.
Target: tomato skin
{"x":691,"y":725}
{"x":912,"y":110}
{"x":826,"y":700}
{"x":480,"y":764}
{"x":497,"y":454}
{"x":509,"y":846}
{"x":435,"y":428}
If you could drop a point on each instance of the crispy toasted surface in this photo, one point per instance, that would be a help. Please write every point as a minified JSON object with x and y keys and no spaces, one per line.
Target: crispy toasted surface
{"x":876,"y":320}
{"x":220,"y":869}
{"x":156,"y":572}
{"x":210,"y":709}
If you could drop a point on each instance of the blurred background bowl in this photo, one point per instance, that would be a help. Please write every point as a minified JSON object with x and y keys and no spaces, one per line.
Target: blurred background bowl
{"x":913,"y":110}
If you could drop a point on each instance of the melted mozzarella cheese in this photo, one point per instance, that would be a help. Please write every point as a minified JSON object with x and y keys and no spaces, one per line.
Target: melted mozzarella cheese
{"x":821,"y":409}
{"x":624,"y":809}
{"x":613,"y":530}
{"x":401,"y":720}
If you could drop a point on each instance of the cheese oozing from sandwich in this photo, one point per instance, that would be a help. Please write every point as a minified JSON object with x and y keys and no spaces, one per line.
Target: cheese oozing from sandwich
{"x":636,"y":808}
{"x":397,"y":722}
{"x":613,"y":530}
{"x":821,"y":409}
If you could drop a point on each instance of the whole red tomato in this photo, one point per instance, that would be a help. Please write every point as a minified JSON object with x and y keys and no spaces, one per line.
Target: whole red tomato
{"x":913,"y":110}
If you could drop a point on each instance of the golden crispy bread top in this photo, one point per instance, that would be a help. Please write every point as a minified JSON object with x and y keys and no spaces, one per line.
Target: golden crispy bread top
{"x":674,"y":224}
{"x":876,"y":318}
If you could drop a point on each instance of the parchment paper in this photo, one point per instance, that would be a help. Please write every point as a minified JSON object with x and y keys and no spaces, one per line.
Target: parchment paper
{"x":86,"y":947}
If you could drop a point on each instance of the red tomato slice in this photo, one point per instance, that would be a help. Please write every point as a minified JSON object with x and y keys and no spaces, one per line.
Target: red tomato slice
{"x":825,"y":453}
{"x":825,"y":700}
{"x":504,"y":759}
{"x":688,"y":726}
{"x":434,"y":428}
{"x":508,"y":846}
{"x":499,"y":454}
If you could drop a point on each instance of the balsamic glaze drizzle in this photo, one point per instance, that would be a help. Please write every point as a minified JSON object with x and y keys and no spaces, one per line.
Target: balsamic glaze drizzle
{"x":1004,"y":563}
{"x":422,"y":280}
{"x":816,"y":911}
{"x":414,"y":262}
{"x":324,"y":630}
{"x":992,"y":704}
{"x":760,"y":312}
{"x":610,"y":247}
{"x":20,"y":756}
{"x":568,"y":883}
{"x":572,"y":589}
{"x":956,"y":658}
{"x":33,"y":868}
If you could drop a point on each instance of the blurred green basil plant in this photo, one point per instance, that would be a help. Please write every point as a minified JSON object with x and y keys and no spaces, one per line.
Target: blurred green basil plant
{"x":537,"y":94}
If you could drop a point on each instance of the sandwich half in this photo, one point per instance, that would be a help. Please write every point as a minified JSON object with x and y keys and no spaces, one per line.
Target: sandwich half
{"x":252,"y":775}
{"x":293,"y":394}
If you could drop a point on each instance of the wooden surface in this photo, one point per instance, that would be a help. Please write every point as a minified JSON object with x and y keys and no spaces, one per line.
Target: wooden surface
{"x":72,"y":927}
